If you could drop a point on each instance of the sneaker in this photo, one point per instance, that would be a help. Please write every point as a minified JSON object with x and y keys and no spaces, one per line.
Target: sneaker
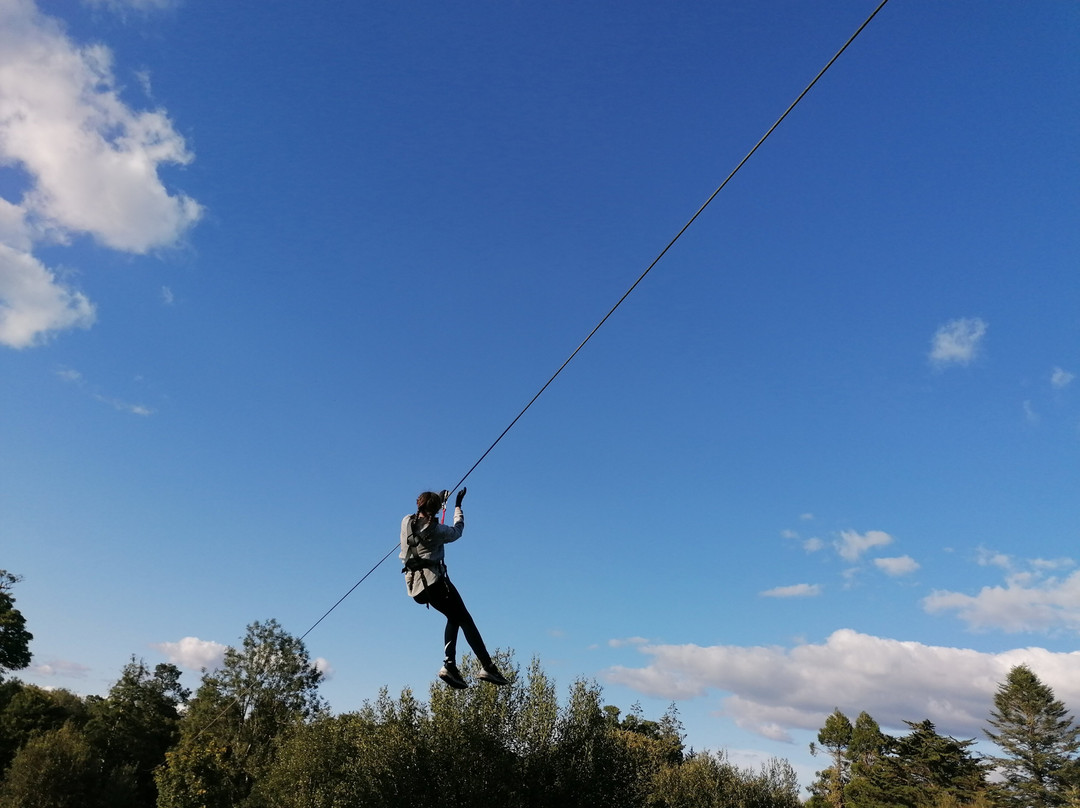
{"x":452,"y":676}
{"x":491,"y":674}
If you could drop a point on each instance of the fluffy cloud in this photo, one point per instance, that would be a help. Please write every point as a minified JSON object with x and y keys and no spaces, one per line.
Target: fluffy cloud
{"x":33,"y":302}
{"x":1030,"y":600}
{"x":852,"y":544}
{"x":901,"y":565}
{"x":90,"y":164}
{"x":794,"y":591}
{"x":957,"y":342}
{"x":774,"y":691}
{"x":193,"y":653}
{"x":1061,"y":378}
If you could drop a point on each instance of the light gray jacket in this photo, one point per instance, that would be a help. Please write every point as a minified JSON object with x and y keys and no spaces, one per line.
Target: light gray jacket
{"x":429,"y":548}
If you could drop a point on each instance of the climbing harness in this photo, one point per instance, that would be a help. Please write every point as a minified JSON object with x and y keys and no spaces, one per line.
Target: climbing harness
{"x":414,"y":563}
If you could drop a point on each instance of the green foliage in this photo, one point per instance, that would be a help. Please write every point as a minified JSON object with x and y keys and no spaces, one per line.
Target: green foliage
{"x":14,"y":638}
{"x":59,"y":769}
{"x":241,"y":714}
{"x":1039,"y":741}
{"x":707,"y":780}
{"x":513,"y":747}
{"x":257,"y":735}
{"x":29,"y":710}
{"x":834,"y":738}
{"x":919,"y":770}
{"x":137,"y":723}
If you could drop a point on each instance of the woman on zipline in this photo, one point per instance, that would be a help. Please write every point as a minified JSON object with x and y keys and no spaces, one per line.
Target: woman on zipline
{"x":422,"y":542}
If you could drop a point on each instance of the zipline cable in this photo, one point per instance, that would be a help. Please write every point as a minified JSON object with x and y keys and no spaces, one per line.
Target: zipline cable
{"x":600,"y":324}
{"x":633,"y":286}
{"x":671,"y":243}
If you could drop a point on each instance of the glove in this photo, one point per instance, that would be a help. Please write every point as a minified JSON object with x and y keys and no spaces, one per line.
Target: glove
{"x":460,"y":497}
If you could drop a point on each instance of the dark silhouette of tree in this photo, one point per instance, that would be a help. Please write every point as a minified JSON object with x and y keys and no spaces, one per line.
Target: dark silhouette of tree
{"x":134,"y":726}
{"x":14,"y":638}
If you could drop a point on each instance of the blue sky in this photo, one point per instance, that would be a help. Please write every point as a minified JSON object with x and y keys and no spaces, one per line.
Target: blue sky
{"x":266,"y":275}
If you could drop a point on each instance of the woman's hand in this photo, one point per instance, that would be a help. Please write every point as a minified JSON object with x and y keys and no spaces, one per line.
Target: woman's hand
{"x":460,"y":497}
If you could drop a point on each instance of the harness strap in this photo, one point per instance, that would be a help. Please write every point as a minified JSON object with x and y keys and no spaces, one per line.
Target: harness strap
{"x":414,"y":563}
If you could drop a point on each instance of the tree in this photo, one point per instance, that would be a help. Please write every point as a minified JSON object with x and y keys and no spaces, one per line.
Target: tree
{"x":919,"y":769}
{"x":472,"y":736}
{"x":868,"y":745}
{"x":866,"y":754}
{"x":137,"y":723}
{"x":1038,"y":737}
{"x":835,"y":738}
{"x":14,"y":638}
{"x":233,"y":728}
{"x":31,"y":710}
{"x":59,"y":769}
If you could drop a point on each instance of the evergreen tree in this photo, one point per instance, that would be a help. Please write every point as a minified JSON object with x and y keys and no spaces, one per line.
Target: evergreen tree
{"x":835,"y":738}
{"x":866,"y":754}
{"x":1038,"y":738}
{"x":924,"y":768}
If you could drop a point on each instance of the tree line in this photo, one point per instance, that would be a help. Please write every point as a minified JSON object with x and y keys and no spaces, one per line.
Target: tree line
{"x":257,"y":734}
{"x":1038,"y":765}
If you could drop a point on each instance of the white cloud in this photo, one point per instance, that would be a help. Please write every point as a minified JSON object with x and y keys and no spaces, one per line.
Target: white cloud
{"x":624,"y":641}
{"x":124,"y":406}
{"x":794,"y":591}
{"x":853,"y":544}
{"x":1052,"y":563}
{"x":73,"y":376}
{"x":773,"y":690}
{"x":323,"y":666}
{"x":957,"y":342}
{"x":1061,"y":378}
{"x":901,"y":565}
{"x":990,"y":558}
{"x":1029,"y":601}
{"x":61,"y":668}
{"x":136,"y":5}
{"x":90,"y":164}
{"x":814,"y":544}
{"x":193,"y":653}
{"x":34,"y":303}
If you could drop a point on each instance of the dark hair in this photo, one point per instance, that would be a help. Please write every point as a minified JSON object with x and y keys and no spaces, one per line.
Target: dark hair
{"x":429,"y":503}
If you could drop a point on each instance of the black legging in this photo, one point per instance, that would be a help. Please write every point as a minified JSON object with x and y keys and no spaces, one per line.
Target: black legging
{"x":443,"y":595}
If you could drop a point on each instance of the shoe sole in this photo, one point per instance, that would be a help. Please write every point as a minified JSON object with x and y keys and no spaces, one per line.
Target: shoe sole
{"x":457,"y":684}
